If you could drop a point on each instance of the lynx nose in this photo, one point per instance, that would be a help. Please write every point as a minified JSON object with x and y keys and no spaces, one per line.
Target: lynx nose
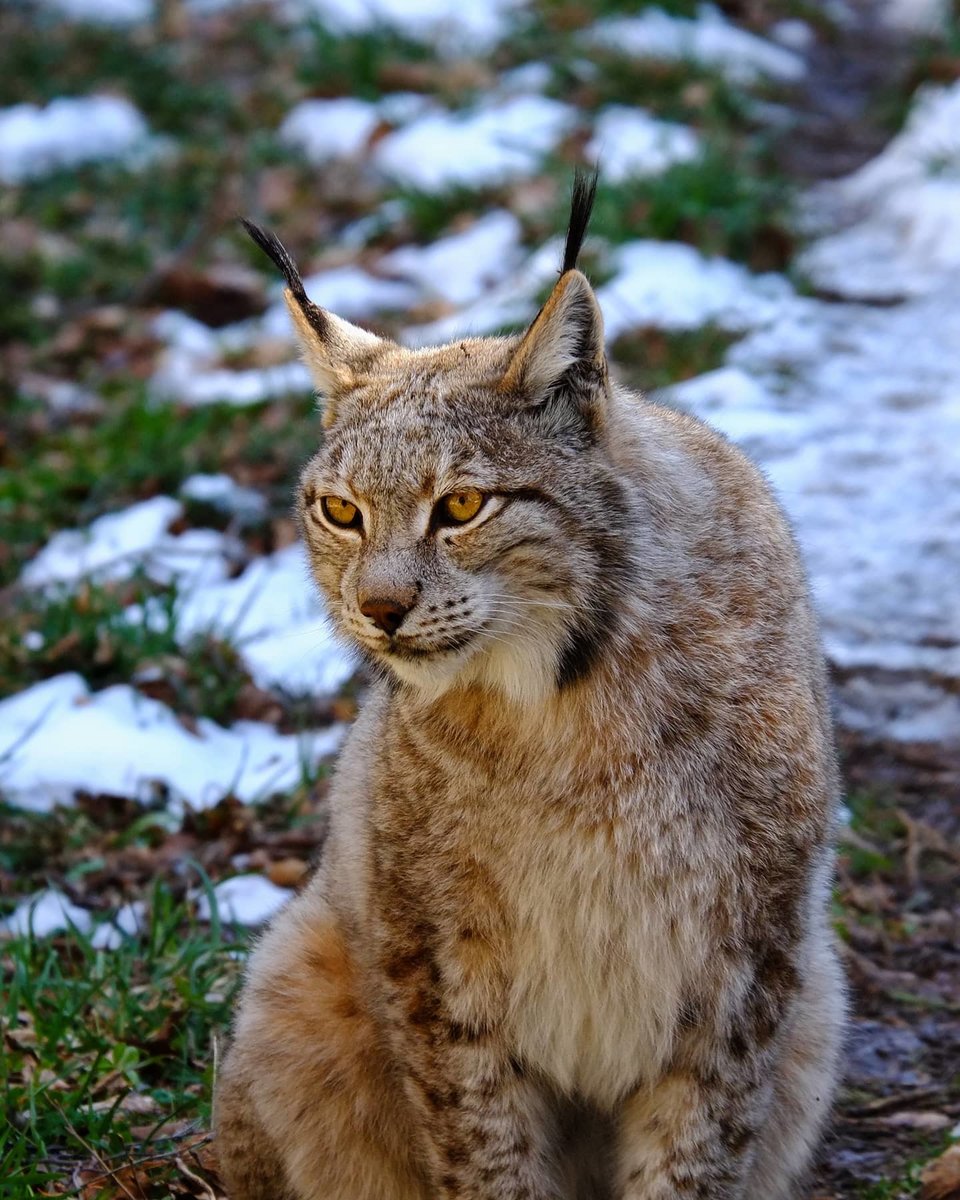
{"x":386,"y":613}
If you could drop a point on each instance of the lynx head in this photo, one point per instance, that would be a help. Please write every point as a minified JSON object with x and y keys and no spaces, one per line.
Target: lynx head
{"x":463,"y":518}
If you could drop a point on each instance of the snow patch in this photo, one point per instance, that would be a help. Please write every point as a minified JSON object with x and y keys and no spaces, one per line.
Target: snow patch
{"x":674,"y":286}
{"x":45,"y":913}
{"x":511,"y":303}
{"x":854,"y":413}
{"x":119,"y":544}
{"x":66,"y":133}
{"x":273,"y":614}
{"x":189,"y":370}
{"x":794,"y":34}
{"x":244,"y":900}
{"x":223,"y":493}
{"x":327,"y":129}
{"x":103,"y":12}
{"x":631,"y":143}
{"x":708,"y":39}
{"x":353,"y":293}
{"x":927,"y":18}
{"x":125,"y":923}
{"x":58,"y":738}
{"x":902,"y":211}
{"x":462,"y":266}
{"x":450,"y":25}
{"x":112,"y":547}
{"x":490,"y":145}
{"x":179,"y":380}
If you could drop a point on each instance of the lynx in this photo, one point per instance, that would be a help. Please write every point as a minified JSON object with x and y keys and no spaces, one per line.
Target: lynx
{"x":569,"y":935}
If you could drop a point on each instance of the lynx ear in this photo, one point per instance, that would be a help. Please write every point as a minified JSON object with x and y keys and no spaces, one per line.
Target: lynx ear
{"x":563,"y":348}
{"x":562,"y":351}
{"x":333,"y":349}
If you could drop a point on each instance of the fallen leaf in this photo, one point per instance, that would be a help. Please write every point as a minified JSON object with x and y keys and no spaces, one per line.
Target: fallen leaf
{"x":256,"y":704}
{"x":287,"y":872}
{"x":940,"y":1179}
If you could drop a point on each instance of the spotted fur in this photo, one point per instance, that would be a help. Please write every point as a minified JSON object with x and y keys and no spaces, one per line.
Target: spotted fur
{"x":569,"y":936}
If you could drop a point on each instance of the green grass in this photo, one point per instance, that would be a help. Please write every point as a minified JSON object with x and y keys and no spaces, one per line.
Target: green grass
{"x":428,"y":215}
{"x":117,"y":224}
{"x":154,"y":73}
{"x":90,"y":629}
{"x":61,"y":475}
{"x":649,"y":359}
{"x":874,"y":814}
{"x":65,"y":844}
{"x":357,"y":65}
{"x":108,"y":1055}
{"x":84,"y":629}
{"x":719,"y":204}
{"x":888,"y":1190}
{"x":907,"y":1182}
{"x":566,"y":15}
{"x":684,"y":92}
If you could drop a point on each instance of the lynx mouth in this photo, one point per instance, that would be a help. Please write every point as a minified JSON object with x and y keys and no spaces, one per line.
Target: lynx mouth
{"x":415,"y":651}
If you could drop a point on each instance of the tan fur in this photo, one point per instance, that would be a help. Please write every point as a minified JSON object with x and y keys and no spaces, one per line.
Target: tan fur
{"x":569,"y":937}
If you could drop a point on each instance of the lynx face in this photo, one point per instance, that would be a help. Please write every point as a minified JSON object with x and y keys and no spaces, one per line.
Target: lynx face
{"x":461,"y":531}
{"x":463,"y":517}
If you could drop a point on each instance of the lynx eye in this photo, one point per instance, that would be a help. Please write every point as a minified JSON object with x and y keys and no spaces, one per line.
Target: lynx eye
{"x":341,"y":512}
{"x":459,"y":507}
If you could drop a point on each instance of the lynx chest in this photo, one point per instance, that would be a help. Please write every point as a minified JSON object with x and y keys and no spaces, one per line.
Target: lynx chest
{"x":596,"y":971}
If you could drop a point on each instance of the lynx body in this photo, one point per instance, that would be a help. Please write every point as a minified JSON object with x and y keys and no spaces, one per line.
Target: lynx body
{"x":569,"y":937}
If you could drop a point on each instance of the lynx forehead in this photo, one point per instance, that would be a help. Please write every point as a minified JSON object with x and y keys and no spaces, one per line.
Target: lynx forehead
{"x":569,"y":939}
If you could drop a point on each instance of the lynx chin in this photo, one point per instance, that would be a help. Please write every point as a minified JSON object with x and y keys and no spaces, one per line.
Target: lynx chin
{"x":569,"y":938}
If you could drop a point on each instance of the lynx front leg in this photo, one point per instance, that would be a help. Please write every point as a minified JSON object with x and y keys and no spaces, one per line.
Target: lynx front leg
{"x":487,"y":1126}
{"x":688,"y":1136}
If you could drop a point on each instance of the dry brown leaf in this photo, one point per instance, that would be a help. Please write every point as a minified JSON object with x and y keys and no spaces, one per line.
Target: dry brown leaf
{"x":257,"y":704}
{"x":287,"y":872}
{"x":940,"y":1179}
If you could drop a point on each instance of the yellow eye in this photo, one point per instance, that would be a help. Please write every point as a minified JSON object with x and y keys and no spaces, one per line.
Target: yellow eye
{"x":341,"y":512}
{"x":460,"y":506}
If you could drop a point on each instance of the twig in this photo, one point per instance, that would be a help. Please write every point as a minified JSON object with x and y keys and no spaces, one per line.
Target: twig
{"x":109,"y":1172}
{"x":157,"y":1156}
{"x":208,"y":1191}
{"x":899,"y":1099}
{"x":923,"y":836}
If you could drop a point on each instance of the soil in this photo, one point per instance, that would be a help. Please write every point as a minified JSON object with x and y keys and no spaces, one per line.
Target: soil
{"x":899,"y":863}
{"x":899,"y":888}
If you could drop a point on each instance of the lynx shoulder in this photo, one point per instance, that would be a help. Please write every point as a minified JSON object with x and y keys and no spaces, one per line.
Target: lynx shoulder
{"x":569,"y":937}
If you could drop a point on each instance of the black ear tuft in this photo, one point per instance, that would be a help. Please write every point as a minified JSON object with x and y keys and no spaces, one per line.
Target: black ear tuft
{"x":275,"y":250}
{"x":581,"y":206}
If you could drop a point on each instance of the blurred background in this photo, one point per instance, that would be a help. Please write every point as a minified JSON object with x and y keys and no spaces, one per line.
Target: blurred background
{"x":775,"y":247}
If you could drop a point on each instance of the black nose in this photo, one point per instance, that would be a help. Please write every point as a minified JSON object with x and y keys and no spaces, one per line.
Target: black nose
{"x":386,"y":614}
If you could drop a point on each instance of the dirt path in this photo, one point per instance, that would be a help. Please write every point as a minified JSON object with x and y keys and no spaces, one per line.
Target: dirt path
{"x":839,"y":105}
{"x":899,"y":870}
